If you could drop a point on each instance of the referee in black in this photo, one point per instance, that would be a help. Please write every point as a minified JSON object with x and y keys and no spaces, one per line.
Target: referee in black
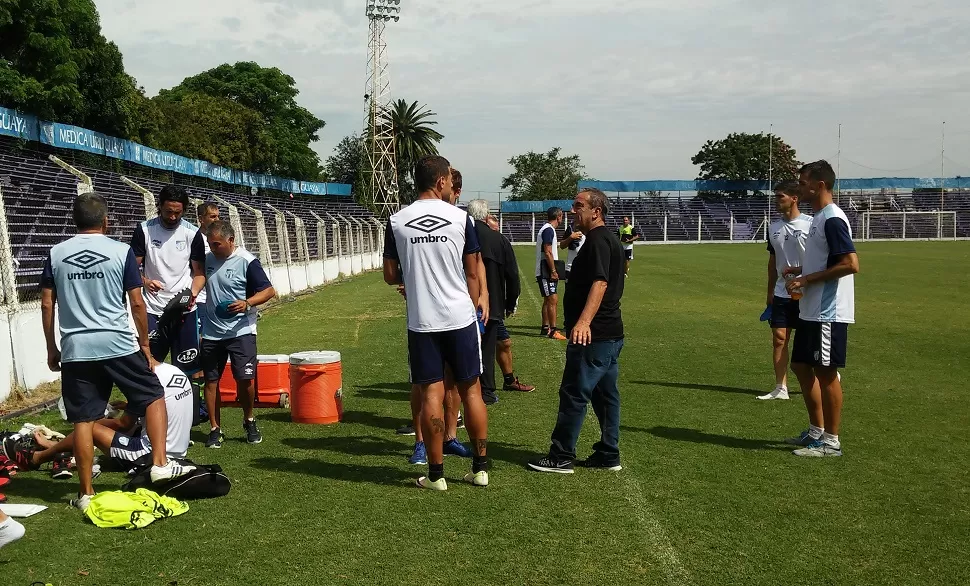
{"x":595,"y":331}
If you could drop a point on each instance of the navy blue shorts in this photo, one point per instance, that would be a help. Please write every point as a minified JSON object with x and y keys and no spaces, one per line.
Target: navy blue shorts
{"x":181,"y":339}
{"x":86,"y":386}
{"x":628,"y":252}
{"x":820,"y":343}
{"x":128,"y":451}
{"x":239,"y":352}
{"x":547,"y":287}
{"x":784,"y":313}
{"x":428,"y":352}
{"x":502,"y":332}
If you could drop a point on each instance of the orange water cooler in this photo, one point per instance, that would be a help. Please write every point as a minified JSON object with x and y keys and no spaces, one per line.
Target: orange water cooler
{"x":272,"y":382}
{"x":316,"y":387}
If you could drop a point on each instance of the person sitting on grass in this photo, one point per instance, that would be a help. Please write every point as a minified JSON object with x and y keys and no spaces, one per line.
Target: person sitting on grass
{"x":121,"y":438}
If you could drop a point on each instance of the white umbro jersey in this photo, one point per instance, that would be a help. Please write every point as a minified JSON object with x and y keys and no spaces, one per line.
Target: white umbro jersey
{"x":829,"y":301}
{"x":430,"y":239}
{"x":787,"y":242}
{"x":167,"y":255}
{"x":178,"y":403}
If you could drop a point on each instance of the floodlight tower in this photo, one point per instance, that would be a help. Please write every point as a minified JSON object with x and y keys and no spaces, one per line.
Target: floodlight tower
{"x":380,"y":164}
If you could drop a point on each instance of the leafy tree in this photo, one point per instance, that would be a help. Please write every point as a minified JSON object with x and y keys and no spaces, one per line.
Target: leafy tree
{"x":345,"y":164}
{"x":414,"y":138}
{"x":744,"y":157}
{"x":543,"y":176}
{"x":56,"y":64}
{"x":217,"y":130}
{"x":272,"y":94}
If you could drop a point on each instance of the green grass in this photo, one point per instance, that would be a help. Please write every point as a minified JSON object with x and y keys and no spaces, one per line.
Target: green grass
{"x":707,"y":496}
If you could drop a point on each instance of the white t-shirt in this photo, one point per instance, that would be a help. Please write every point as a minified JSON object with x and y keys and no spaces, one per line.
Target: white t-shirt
{"x":167,"y":255}
{"x":178,"y":403}
{"x":573,"y":249}
{"x":430,"y":239}
{"x":829,"y":237}
{"x":546,"y":235}
{"x":787,"y":242}
{"x":205,"y":241}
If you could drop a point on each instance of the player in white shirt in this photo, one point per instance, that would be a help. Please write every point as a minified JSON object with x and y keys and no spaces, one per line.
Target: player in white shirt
{"x":431,"y":248}
{"x":826,"y":309}
{"x":573,"y":241}
{"x":171,"y":252}
{"x":786,"y":248}
{"x":125,"y":439}
{"x":208,"y":212}
{"x":547,"y":273}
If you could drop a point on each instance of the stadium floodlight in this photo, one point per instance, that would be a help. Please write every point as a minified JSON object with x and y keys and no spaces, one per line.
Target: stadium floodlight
{"x":377,"y":140}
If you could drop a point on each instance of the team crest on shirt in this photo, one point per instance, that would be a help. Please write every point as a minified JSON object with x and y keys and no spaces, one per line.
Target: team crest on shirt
{"x":180,"y":245}
{"x":813,"y":231}
{"x":797,"y":233}
{"x":228,"y":273}
{"x":156,"y":243}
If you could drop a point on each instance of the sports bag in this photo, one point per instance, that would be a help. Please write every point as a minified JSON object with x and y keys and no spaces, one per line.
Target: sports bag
{"x":206,"y":481}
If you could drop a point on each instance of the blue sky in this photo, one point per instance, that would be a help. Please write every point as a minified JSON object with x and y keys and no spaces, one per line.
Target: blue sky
{"x":634,"y":87}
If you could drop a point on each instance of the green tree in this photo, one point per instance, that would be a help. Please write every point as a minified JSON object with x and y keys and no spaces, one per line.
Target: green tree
{"x":344,"y":165}
{"x":217,"y":130}
{"x":271,"y":93}
{"x":544,"y":176}
{"x":744,"y":157}
{"x":414,"y":137}
{"x":56,"y":64}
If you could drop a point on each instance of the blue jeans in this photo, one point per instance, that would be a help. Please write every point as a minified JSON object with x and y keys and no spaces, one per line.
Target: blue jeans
{"x":590,"y":376}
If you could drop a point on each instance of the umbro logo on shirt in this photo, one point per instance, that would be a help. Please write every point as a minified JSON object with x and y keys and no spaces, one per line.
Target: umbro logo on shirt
{"x":85,"y":260}
{"x":428,"y":223}
{"x":177,"y":381}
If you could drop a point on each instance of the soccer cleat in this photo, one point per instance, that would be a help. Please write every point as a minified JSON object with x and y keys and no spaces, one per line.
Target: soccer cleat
{"x":803,"y":439}
{"x":82,"y":502}
{"x":779,"y":393}
{"x":10,"y":446}
{"x":61,"y":467}
{"x":477,"y":478}
{"x":556,"y":335}
{"x":425,"y":482}
{"x":549,"y":464}
{"x":420,"y":455}
{"x":170,"y":471}
{"x":453,"y":447}
{"x":819,"y":449}
{"x":600,"y":462}
{"x":215,"y":439}
{"x":409,"y":429}
{"x":252,"y":432}
{"x":518,"y":386}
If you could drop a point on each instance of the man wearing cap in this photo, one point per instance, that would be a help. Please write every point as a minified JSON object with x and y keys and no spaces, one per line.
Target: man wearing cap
{"x":235,"y":284}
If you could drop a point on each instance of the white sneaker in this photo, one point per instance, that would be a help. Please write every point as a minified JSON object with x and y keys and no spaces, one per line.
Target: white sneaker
{"x":477,"y":478}
{"x":425,"y":482}
{"x":81,"y":502}
{"x":170,"y":471}
{"x":10,"y":530}
{"x":779,"y":393}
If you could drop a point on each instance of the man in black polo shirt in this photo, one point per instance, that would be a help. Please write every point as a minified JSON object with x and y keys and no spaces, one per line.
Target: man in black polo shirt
{"x":595,"y":332}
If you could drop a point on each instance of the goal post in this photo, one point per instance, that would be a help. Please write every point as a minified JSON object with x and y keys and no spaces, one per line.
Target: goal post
{"x":909,"y":225}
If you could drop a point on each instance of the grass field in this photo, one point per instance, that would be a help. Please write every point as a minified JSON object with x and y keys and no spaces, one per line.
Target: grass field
{"x":708,"y":494}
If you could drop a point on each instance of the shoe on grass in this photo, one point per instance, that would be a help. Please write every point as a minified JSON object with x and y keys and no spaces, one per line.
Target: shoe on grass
{"x":252,"y":432}
{"x":600,"y":462}
{"x":453,"y":447}
{"x":780,"y":392}
{"x":550,"y":464}
{"x":420,"y":455}
{"x":819,"y":449}
{"x":477,"y":478}
{"x":409,"y":429}
{"x":425,"y":482}
{"x":215,"y":439}
{"x":170,"y":471}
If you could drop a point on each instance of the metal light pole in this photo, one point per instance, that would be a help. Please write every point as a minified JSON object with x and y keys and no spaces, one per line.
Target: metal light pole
{"x":380,"y":163}
{"x":770,"y":128}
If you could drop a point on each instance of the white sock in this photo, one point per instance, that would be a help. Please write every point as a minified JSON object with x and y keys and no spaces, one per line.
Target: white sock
{"x":781,"y":387}
{"x":815,"y":432}
{"x":832,"y":440}
{"x":10,"y":531}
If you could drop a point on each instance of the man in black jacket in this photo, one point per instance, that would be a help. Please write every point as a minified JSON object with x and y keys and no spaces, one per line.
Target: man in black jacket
{"x":502,"y":279}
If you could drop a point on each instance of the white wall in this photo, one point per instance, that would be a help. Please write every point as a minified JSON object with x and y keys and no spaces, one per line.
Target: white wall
{"x":315,"y":273}
{"x":331,"y":269}
{"x":6,"y":358}
{"x":29,"y":348}
{"x":298,"y":277}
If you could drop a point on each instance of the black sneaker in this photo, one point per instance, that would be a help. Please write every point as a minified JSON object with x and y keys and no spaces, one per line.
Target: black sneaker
{"x":215,"y":438}
{"x":550,"y":464}
{"x":409,"y":430}
{"x":601,"y":462}
{"x":461,"y":421}
{"x":61,"y":467}
{"x":252,"y":432}
{"x":544,"y":330}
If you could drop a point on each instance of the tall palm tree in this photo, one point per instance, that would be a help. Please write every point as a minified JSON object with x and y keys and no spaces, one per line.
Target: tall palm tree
{"x":414,"y":138}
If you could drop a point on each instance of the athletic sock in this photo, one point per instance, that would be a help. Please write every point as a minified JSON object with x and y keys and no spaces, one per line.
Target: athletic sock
{"x":832,"y":440}
{"x":509,"y":378}
{"x":10,"y":530}
{"x":436,"y":471}
{"x":480,"y":464}
{"x":815,"y":432}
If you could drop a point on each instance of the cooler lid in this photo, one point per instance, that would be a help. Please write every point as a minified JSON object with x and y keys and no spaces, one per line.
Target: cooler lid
{"x":273,"y":358}
{"x":315,"y":357}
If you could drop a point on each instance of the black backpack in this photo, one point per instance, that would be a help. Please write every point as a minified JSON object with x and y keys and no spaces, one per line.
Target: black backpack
{"x":206,"y":481}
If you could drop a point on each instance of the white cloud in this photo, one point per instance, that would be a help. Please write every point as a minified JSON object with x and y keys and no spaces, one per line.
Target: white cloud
{"x":633,"y":86}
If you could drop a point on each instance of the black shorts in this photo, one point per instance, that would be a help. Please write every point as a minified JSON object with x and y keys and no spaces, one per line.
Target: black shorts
{"x":86,"y":386}
{"x":428,"y":352}
{"x":181,"y":339}
{"x":240,"y":352}
{"x":547,"y":287}
{"x":820,"y":343}
{"x":127,"y":451}
{"x":629,"y":253}
{"x":784,"y":313}
{"x":502,"y":332}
